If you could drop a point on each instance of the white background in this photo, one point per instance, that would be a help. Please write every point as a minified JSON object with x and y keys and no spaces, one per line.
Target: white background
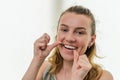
{"x":23,"y":21}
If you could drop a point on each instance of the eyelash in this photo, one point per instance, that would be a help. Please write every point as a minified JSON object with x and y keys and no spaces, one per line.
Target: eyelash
{"x":77,"y":32}
{"x":80,"y":32}
{"x":64,"y":30}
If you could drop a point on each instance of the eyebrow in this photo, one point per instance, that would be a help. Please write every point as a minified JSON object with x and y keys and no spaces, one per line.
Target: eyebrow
{"x":75,"y":28}
{"x":64,"y":25}
{"x":81,"y":28}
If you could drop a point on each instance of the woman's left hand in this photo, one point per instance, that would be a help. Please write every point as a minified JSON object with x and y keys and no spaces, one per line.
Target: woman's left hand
{"x":81,"y":66}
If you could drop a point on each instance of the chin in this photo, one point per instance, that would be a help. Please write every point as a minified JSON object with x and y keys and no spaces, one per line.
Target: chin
{"x":66,"y":54}
{"x":67,"y":57}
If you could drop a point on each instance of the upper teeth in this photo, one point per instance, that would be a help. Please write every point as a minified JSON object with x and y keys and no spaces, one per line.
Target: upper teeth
{"x":69,"y":47}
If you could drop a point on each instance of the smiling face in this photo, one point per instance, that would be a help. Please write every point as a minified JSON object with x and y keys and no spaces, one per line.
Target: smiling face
{"x":74,"y":31}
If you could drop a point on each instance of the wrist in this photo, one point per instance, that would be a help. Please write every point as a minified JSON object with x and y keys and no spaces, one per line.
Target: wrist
{"x":76,"y":79}
{"x":37,"y":62}
{"x":38,"y":58}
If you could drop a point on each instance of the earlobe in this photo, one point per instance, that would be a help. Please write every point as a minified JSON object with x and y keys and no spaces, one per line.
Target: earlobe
{"x":90,"y":45}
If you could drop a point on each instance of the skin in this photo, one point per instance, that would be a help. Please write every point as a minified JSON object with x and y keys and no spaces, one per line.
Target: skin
{"x":73,"y":31}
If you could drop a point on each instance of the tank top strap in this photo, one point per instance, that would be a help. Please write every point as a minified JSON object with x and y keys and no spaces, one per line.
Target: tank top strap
{"x":47,"y":75}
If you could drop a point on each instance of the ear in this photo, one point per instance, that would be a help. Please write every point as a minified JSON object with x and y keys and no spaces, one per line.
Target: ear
{"x":92,"y":41}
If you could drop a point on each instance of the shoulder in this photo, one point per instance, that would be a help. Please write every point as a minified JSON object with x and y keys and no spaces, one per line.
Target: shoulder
{"x":42,"y":70}
{"x":106,"y":75}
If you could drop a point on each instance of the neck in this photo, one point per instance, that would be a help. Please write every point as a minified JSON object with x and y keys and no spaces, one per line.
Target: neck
{"x":67,"y":66}
{"x":65,"y":72}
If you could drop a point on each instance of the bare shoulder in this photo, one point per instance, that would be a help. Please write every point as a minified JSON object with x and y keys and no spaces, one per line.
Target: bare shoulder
{"x":42,"y":70}
{"x":106,"y":75}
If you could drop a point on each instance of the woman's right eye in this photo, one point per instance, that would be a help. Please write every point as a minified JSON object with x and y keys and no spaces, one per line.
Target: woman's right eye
{"x":64,"y":30}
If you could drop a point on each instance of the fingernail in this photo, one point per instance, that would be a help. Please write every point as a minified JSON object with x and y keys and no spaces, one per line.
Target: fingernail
{"x":59,"y":42}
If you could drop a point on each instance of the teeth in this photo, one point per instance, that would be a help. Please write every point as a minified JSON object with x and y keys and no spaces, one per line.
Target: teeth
{"x":69,"y":47}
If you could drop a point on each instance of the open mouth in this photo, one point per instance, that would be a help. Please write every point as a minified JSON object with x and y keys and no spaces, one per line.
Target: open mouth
{"x":69,"y":47}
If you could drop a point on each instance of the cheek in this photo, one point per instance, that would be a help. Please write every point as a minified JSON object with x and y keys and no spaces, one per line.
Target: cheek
{"x":82,"y":46}
{"x":85,"y":41}
{"x":82,"y":41}
{"x":60,"y":37}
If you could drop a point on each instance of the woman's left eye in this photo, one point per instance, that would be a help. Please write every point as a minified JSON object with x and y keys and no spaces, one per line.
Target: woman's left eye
{"x":80,"y":32}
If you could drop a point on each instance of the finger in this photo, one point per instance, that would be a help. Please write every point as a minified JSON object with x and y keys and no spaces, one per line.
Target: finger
{"x":42,"y":41}
{"x":77,"y":53}
{"x":50,"y":47}
{"x":76,"y":56}
{"x":84,"y":62}
{"x":80,"y":51}
{"x":75,"y":62}
{"x":44,"y":38}
{"x":42,"y":46}
{"x":84,"y":57}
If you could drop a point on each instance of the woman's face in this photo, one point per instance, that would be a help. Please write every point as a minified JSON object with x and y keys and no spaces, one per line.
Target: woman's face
{"x":74,"y":31}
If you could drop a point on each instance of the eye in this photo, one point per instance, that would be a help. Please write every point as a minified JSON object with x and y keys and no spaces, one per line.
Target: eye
{"x":64,"y":30}
{"x":80,"y":32}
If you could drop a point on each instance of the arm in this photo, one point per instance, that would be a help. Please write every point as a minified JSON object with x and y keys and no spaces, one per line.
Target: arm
{"x":42,"y":70}
{"x":41,"y":51}
{"x":33,"y":69}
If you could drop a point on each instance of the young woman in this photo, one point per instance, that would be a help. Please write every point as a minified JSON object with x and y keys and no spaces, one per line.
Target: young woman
{"x":74,"y":50}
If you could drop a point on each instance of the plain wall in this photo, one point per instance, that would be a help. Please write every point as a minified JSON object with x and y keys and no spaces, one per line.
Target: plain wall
{"x":23,"y":21}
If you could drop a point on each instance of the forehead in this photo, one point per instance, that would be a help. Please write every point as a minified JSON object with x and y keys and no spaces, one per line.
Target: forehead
{"x":75,"y":20}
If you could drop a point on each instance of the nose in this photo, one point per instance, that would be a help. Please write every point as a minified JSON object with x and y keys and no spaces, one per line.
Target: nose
{"x":70,"y":38}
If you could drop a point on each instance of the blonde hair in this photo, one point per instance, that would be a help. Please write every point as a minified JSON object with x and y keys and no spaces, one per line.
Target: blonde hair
{"x":57,"y":61}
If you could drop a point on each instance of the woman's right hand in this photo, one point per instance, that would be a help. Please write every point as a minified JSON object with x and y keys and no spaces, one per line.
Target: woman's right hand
{"x":41,"y":47}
